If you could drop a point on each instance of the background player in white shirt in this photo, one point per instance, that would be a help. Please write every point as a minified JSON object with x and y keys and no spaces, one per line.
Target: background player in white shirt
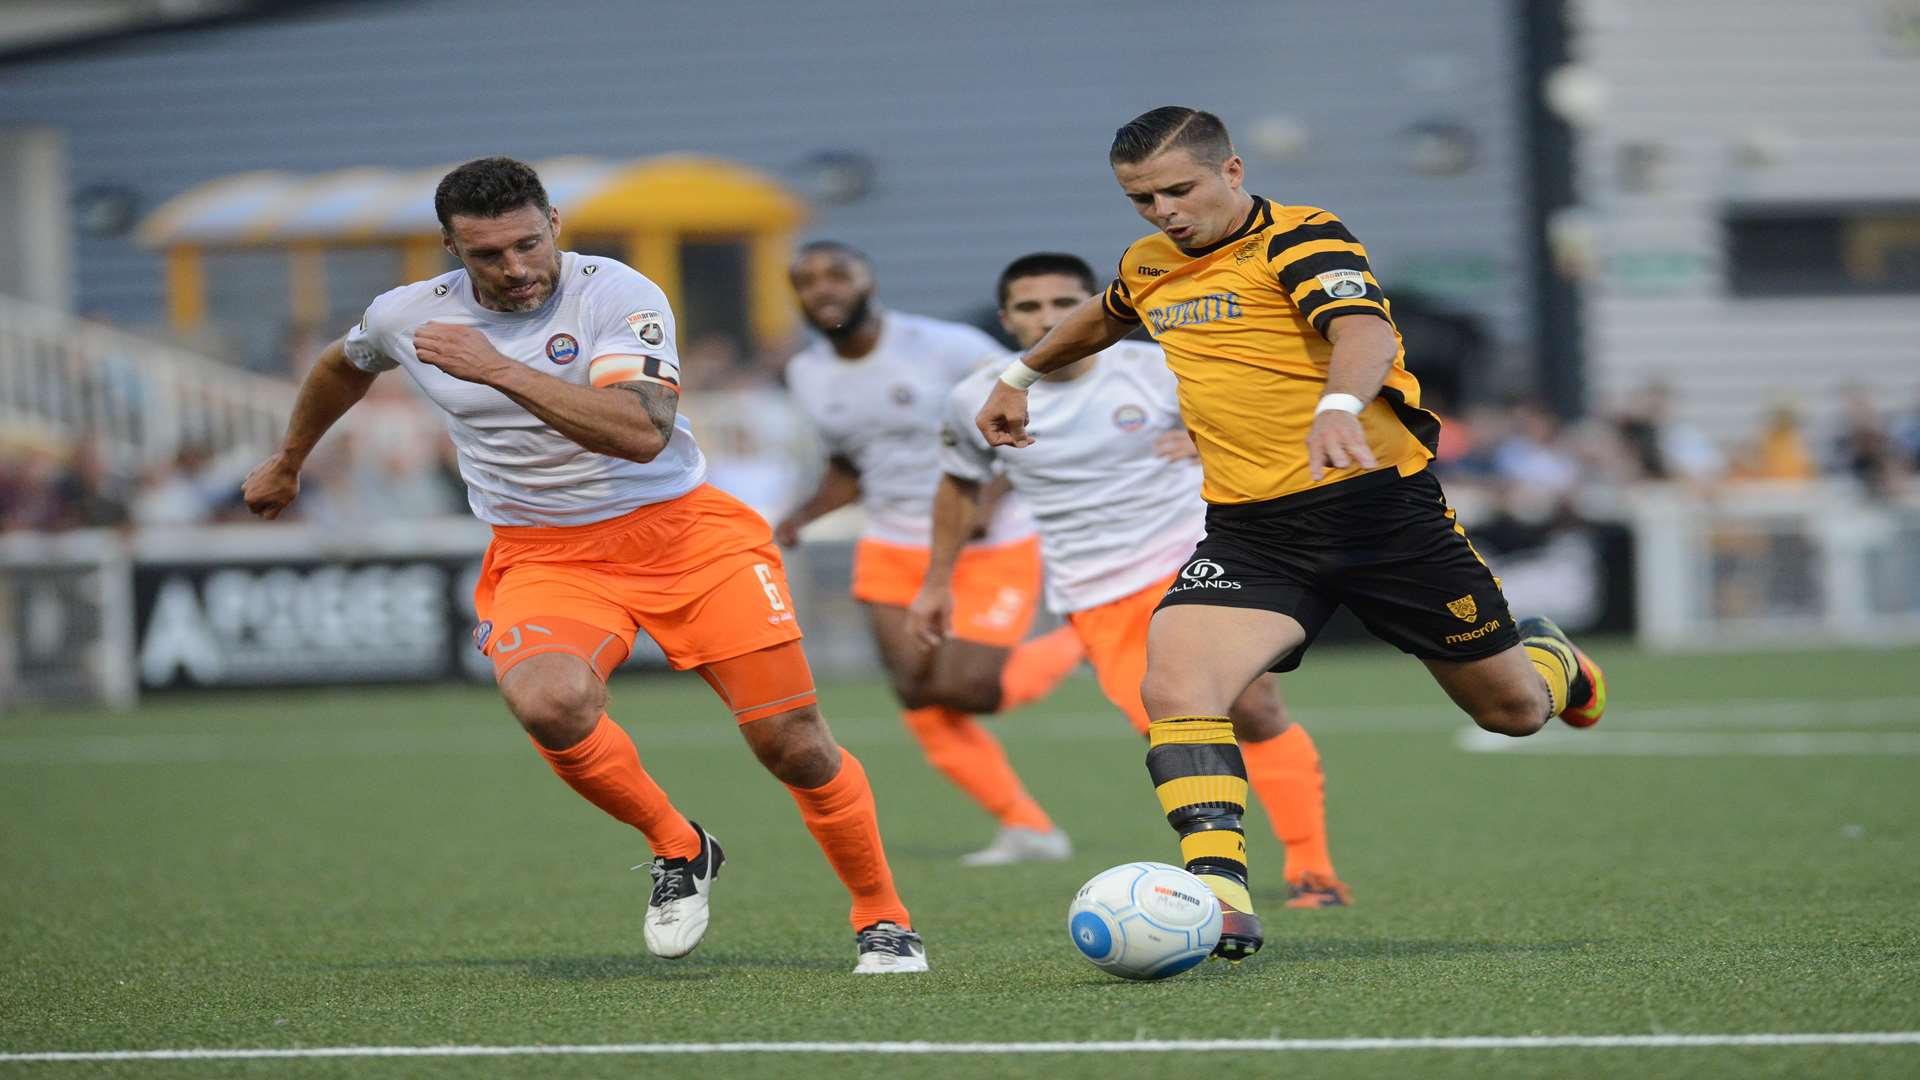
{"x":875,"y":385}
{"x":559,"y":377}
{"x":1114,"y":487}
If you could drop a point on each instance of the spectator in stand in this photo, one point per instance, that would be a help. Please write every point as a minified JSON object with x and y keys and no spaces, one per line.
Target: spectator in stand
{"x":1906,"y":432}
{"x":1471,"y":459}
{"x":16,"y":488}
{"x":1780,"y":454}
{"x":1666,"y":448}
{"x":176,"y":493}
{"x":1865,"y":448}
{"x":88,"y":493}
{"x":1531,"y":456}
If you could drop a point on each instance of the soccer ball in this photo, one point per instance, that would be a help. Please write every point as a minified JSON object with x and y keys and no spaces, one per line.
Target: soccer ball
{"x":1144,"y":920}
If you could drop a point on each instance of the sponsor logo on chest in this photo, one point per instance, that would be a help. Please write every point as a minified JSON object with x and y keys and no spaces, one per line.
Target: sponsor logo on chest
{"x":1213,"y":307}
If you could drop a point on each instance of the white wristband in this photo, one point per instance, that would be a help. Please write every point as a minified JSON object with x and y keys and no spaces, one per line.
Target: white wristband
{"x":1019,"y":376}
{"x":1345,"y":403}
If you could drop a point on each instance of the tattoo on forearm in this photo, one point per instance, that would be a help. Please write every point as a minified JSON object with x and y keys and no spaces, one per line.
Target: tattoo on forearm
{"x":661,"y":404}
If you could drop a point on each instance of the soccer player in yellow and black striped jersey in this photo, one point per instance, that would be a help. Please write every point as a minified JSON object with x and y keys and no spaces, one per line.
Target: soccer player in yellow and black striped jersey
{"x":1314,"y":450}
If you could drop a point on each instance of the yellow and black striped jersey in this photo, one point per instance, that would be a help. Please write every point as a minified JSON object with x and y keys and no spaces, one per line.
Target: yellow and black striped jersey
{"x":1243,"y":323}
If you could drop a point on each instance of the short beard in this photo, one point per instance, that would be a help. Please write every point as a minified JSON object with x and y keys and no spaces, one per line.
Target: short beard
{"x":500,"y":302}
{"x":856,"y":319}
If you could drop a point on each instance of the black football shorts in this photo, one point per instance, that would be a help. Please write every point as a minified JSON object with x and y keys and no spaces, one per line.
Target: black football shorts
{"x":1384,"y":545}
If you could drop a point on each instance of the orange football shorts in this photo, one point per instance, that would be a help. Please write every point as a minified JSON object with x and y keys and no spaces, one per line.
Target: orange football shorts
{"x":1115,"y":636}
{"x":995,"y":589}
{"x":700,"y":574}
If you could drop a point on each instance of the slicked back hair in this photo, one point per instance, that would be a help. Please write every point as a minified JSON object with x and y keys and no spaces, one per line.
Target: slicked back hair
{"x":1046,"y":262}
{"x":488,"y":187}
{"x":1169,"y":127}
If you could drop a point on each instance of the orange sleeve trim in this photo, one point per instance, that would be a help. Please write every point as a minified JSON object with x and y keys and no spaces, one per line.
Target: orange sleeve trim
{"x":611,"y":369}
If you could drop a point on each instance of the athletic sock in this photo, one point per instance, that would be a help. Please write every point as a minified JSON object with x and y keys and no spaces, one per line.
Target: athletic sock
{"x":1201,"y":781}
{"x":1285,"y":772}
{"x":1035,"y":667}
{"x":1557,"y":669}
{"x":968,"y":754}
{"x":605,"y":768}
{"x":843,"y":819}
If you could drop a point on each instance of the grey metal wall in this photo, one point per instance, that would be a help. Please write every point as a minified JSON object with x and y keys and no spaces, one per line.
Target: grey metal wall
{"x":1754,"y":102}
{"x":988,"y":121}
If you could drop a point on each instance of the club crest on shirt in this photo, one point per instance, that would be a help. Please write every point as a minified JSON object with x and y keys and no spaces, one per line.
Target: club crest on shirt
{"x":563,"y":349}
{"x":1247,"y":251}
{"x":1129,"y":418}
{"x":649,"y":326}
{"x":903,"y":395}
{"x":1343,"y":284}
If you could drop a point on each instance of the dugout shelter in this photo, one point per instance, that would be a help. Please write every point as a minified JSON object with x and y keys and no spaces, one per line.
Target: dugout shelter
{"x":715,"y":235}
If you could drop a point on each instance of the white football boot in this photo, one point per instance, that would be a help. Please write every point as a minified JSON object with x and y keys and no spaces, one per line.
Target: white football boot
{"x":677,"y":910}
{"x":1016,"y":844}
{"x":888,"y":948}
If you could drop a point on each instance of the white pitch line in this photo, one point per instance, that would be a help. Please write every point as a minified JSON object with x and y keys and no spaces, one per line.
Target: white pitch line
{"x":265,"y":744}
{"x":1131,"y":1046}
{"x":1692,"y":744}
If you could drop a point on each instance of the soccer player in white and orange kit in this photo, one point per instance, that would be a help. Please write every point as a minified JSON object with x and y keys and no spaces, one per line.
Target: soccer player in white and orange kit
{"x":874,"y":386}
{"x":1114,"y":487}
{"x":559,"y":377}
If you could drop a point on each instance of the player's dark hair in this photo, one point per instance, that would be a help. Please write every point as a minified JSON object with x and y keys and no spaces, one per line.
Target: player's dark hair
{"x":488,"y":187}
{"x":1167,"y":127}
{"x":1046,"y":262}
{"x":834,"y":247}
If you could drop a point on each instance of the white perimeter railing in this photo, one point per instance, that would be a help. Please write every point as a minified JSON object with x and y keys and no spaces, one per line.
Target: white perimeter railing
{"x":1755,"y":566}
{"x":141,"y":400}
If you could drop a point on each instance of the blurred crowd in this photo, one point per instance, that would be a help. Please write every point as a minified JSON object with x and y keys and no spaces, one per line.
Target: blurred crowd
{"x":1522,"y":467}
{"x":1537,"y":466}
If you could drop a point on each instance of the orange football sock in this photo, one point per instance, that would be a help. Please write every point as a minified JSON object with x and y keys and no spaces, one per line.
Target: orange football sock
{"x":974,"y":760}
{"x":1035,"y":667}
{"x":605,"y":768}
{"x":1285,"y":772}
{"x":844,"y":821}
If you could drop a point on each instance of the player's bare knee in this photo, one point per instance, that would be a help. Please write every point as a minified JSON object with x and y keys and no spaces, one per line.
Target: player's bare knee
{"x":558,"y":704}
{"x":912,"y":693}
{"x":1258,"y":713}
{"x":967,"y":691}
{"x":1168,"y":694}
{"x":796,"y":747}
{"x":1515,"y":714}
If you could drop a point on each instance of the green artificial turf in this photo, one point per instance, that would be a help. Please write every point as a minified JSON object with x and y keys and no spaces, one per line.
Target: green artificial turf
{"x":397,"y":867}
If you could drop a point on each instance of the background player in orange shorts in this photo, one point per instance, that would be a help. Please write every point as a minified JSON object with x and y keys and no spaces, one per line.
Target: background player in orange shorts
{"x":1115,"y":490}
{"x":874,"y":386}
{"x":559,"y":376}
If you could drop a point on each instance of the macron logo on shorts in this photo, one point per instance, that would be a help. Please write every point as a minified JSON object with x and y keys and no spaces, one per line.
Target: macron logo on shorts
{"x":1203,"y":574}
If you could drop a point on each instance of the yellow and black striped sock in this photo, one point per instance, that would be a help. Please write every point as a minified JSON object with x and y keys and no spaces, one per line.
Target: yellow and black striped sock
{"x":1202,"y":784}
{"x":1557,"y":668}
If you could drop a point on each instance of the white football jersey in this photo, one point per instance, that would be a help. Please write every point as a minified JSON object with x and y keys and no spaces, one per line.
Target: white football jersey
{"x":1114,"y":516}
{"x":604,"y":324}
{"x":883,"y":413}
